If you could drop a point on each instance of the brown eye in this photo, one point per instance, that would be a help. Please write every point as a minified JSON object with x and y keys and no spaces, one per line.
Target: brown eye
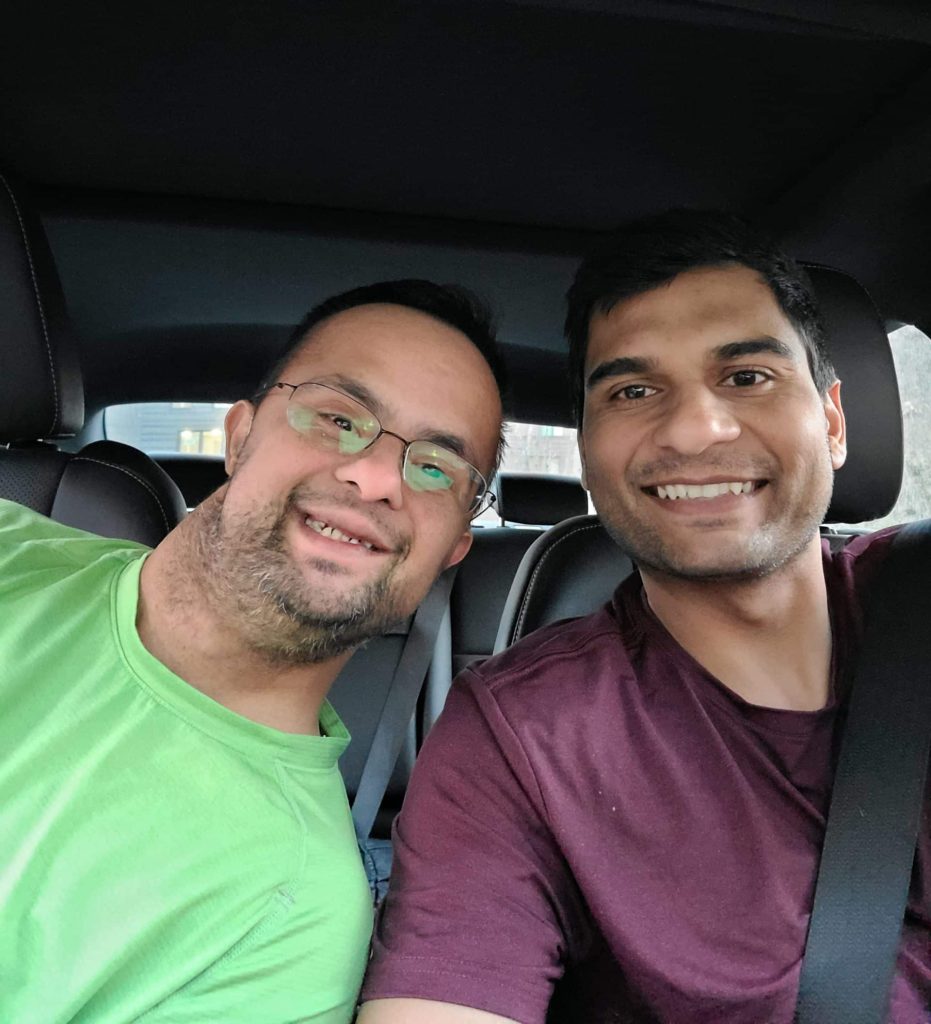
{"x":747,"y":378}
{"x":633,"y":392}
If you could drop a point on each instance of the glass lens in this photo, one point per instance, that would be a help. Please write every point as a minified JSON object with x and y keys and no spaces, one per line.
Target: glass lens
{"x":331,"y":419}
{"x":430,"y":467}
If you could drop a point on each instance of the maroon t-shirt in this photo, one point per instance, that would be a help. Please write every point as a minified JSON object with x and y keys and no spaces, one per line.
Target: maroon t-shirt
{"x":597,"y":830}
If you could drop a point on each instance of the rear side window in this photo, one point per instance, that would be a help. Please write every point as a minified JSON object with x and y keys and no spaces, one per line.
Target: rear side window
{"x":911,"y":352}
{"x":540,"y":450}
{"x":162,"y":428}
{"x":543,"y":450}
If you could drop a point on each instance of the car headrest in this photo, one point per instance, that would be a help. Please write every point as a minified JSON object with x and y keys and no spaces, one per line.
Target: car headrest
{"x":142,"y":502}
{"x":570,"y":570}
{"x":539,"y":500}
{"x":41,"y":391}
{"x":868,"y":485}
{"x":197,"y":475}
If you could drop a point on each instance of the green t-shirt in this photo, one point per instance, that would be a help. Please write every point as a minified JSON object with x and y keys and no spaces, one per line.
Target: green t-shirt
{"x":162,"y":859}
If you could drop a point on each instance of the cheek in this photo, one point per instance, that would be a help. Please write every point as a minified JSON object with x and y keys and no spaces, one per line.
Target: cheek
{"x":607,"y":451}
{"x":435,"y":536}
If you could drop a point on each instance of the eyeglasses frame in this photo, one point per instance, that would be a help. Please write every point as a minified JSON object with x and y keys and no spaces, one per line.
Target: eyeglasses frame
{"x":484,"y":498}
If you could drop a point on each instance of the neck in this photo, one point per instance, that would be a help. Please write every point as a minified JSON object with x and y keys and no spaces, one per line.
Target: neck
{"x":181,"y":623}
{"x":768,"y":640}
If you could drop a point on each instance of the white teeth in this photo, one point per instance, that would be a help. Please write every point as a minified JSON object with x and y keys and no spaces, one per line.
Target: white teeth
{"x":318,"y":526}
{"x":673,"y":492}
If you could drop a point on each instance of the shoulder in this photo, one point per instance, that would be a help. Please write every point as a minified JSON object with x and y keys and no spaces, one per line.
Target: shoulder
{"x":549,"y":674}
{"x":31,"y":543}
{"x":547,"y":651}
{"x":854,"y":566}
{"x":850,"y":574}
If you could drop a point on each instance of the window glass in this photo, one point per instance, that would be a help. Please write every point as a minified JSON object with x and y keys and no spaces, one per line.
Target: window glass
{"x":539,"y":449}
{"x":535,"y":448}
{"x":911,"y":352}
{"x":195,"y":428}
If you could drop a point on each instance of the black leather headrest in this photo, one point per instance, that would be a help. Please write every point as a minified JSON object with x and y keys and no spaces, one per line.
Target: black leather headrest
{"x":41,"y":392}
{"x":196,"y":475}
{"x":539,"y":500}
{"x":570,"y":570}
{"x":868,"y":485}
{"x":142,"y":502}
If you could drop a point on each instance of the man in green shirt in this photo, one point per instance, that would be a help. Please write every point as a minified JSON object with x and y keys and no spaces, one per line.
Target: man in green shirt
{"x":175,"y":840}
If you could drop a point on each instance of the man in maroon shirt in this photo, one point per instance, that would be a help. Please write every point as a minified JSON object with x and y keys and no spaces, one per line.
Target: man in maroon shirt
{"x":620,"y":818}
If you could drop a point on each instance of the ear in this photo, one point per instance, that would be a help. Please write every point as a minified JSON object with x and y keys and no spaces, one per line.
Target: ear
{"x":837,"y":426}
{"x":460,"y":550}
{"x":581,"y":442}
{"x":238,"y":425}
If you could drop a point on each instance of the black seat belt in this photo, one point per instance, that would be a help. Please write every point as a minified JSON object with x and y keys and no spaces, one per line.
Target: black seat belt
{"x":876,"y":804}
{"x":400,"y":704}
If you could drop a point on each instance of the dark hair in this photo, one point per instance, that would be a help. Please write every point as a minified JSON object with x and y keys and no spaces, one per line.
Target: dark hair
{"x":448,"y":303}
{"x":650,"y":251}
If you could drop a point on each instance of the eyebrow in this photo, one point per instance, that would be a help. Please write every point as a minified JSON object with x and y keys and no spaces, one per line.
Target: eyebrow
{"x":626,"y":366}
{"x":752,"y":346}
{"x":355,"y":390}
{"x":362,"y":394}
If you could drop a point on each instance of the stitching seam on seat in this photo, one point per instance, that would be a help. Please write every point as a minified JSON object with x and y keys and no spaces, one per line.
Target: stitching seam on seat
{"x":134,"y":476}
{"x":35,"y":287}
{"x":546,"y":554}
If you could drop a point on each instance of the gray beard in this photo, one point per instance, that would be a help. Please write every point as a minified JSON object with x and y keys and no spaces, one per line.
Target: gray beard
{"x":246,"y":571}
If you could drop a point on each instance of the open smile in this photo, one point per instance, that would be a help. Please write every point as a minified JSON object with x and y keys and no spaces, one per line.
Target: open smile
{"x":334,"y":533}
{"x":703,"y":491}
{"x":344,"y":531}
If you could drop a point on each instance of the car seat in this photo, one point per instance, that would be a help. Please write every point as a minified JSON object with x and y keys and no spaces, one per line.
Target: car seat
{"x":107,"y":488}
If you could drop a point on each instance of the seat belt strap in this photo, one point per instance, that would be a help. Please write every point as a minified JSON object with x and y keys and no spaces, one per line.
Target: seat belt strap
{"x":876,"y":804}
{"x":400,"y":704}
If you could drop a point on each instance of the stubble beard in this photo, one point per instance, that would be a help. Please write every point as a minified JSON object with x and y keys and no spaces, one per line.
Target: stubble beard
{"x":768,"y":549}
{"x":253,"y":581}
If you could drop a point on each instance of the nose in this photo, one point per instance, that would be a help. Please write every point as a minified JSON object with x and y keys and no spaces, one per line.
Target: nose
{"x":376,"y":471}
{"x":697,"y":420}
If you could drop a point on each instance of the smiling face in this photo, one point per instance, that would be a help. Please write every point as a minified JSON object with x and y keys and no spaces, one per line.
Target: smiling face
{"x":315,"y":550}
{"x":707,"y":449}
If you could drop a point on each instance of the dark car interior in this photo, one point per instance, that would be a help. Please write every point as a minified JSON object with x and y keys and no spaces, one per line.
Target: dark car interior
{"x":181,"y":183}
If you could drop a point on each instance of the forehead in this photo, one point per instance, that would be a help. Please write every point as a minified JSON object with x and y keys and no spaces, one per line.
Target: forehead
{"x":424,"y":376}
{"x":696,"y":311}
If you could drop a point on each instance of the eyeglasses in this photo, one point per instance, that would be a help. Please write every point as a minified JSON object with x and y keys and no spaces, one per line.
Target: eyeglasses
{"x":333,"y":421}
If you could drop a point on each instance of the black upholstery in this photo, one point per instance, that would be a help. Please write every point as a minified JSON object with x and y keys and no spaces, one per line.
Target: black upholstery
{"x":41,"y":394}
{"x":481,"y":588}
{"x":570,"y":570}
{"x":107,"y":488}
{"x":573,"y":568}
{"x":868,"y":485}
{"x":142,"y":502}
{"x":196,"y":475}
{"x":539,"y":500}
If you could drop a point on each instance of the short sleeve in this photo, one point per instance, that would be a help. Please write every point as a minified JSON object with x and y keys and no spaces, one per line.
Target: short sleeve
{"x":292,"y":966}
{"x":477,"y":909}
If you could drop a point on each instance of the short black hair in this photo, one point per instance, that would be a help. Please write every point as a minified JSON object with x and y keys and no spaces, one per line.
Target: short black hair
{"x":451,"y":304}
{"x":650,"y":251}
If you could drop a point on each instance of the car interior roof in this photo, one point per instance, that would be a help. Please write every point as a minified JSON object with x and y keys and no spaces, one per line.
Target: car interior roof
{"x":208,"y":172}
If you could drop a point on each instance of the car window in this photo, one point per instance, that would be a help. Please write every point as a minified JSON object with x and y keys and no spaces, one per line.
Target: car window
{"x":540,"y":449}
{"x":911,"y":352}
{"x":193,"y":428}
